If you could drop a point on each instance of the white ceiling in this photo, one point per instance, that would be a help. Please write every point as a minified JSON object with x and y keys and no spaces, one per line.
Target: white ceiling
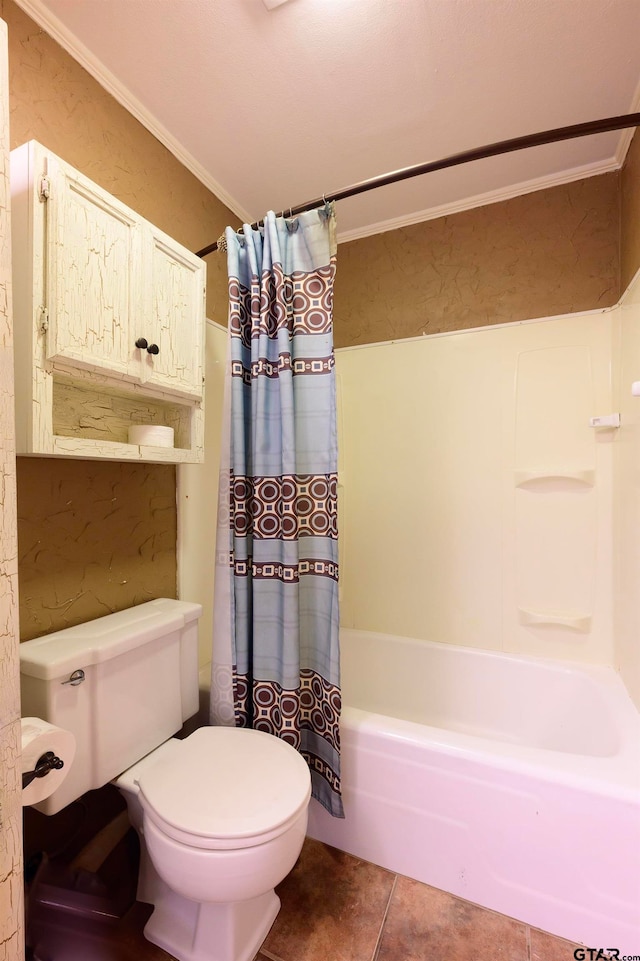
{"x":271,"y":108}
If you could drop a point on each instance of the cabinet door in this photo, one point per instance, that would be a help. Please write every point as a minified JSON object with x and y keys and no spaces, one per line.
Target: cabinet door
{"x":93,"y":288}
{"x":175,"y":316}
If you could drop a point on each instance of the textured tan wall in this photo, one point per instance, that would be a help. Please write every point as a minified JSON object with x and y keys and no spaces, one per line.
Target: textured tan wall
{"x":630,"y":214}
{"x":546,"y":253}
{"x":92,"y":537}
{"x":96,"y":537}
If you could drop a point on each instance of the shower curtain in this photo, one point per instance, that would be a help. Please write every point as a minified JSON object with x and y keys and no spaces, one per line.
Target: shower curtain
{"x":276,"y":654}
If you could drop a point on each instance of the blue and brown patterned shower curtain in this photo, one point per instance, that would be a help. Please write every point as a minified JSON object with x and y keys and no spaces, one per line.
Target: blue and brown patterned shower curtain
{"x":279,"y":496}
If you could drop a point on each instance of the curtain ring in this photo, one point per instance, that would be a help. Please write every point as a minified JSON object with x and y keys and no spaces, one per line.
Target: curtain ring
{"x":325,"y":211}
{"x":291,"y":224}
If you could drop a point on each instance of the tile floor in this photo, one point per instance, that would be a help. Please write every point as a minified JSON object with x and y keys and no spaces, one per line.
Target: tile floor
{"x":338,"y":908}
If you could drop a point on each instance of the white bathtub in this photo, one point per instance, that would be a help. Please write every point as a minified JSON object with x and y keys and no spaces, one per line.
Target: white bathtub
{"x":510,"y":781}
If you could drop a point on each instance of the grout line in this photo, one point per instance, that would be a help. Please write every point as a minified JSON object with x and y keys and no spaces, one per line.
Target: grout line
{"x":376,"y":949}
{"x":528,"y":943}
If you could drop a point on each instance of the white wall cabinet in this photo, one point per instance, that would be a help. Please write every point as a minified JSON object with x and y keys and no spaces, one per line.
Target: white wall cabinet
{"x":110,"y":320}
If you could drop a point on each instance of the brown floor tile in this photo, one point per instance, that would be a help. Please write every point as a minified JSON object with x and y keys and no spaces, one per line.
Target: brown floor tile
{"x":546,"y":947}
{"x":424,"y":923}
{"x":333,"y":906}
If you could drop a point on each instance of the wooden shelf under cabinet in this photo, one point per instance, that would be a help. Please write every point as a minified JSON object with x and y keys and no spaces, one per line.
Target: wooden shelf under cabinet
{"x":92,"y":421}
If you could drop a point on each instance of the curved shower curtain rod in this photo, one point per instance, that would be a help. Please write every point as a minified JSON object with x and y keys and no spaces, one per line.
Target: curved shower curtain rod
{"x":478,"y":153}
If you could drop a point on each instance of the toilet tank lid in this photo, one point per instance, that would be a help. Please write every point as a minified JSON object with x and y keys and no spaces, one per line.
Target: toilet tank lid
{"x":93,"y":642}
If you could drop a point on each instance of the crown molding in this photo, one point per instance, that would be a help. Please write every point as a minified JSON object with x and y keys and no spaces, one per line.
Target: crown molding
{"x":626,"y":136}
{"x":482,"y":200}
{"x":69,"y":42}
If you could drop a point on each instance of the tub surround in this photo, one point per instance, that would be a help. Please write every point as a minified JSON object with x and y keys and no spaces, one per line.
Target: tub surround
{"x":501,"y":537}
{"x":626,"y":499}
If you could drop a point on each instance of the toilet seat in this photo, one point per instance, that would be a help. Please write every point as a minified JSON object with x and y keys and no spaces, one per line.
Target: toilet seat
{"x":226,"y":788}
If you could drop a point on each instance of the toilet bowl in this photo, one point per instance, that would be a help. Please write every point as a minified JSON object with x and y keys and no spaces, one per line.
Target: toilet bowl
{"x":222,"y":817}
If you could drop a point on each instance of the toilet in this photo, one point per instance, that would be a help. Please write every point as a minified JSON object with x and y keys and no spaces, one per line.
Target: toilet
{"x":221,"y":814}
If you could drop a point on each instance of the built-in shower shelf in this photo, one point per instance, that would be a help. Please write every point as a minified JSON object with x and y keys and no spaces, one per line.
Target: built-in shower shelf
{"x":573,"y":621}
{"x":554,"y":479}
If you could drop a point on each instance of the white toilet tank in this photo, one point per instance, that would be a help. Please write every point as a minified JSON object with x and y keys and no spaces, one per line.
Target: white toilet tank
{"x":122,"y":683}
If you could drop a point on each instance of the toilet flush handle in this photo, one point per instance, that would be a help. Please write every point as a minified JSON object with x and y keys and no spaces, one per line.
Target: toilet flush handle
{"x":76,"y":678}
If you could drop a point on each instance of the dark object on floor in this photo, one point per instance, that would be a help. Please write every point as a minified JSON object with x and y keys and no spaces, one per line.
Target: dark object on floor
{"x":73,"y":913}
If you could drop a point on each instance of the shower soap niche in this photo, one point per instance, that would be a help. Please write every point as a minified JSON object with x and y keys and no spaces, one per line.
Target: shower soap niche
{"x":560,"y":479}
{"x":574,"y":621}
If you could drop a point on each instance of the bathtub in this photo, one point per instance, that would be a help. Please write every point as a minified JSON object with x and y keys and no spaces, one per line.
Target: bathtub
{"x":511,"y":781}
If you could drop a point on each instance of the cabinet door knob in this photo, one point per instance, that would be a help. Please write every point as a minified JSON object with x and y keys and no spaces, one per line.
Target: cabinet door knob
{"x":153,"y":349}
{"x":141,"y":342}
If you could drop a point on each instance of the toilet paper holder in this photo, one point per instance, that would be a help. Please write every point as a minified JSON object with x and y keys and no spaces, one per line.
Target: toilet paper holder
{"x":45,"y":763}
